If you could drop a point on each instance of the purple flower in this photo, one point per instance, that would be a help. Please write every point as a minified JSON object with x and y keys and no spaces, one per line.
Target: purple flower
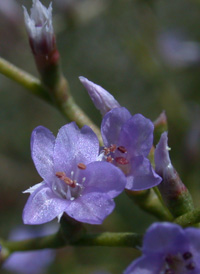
{"x":128,"y":140}
{"x":74,"y":181}
{"x":101,"y":98}
{"x":168,"y":249}
{"x":30,"y":262}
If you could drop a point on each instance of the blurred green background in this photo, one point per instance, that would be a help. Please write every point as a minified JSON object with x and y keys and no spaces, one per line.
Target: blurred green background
{"x":147,"y":54}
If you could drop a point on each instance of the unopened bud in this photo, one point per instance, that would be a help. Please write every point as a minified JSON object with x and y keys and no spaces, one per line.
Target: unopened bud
{"x":175,"y":194}
{"x":101,"y":98}
{"x":40,"y":29}
{"x":42,"y":40}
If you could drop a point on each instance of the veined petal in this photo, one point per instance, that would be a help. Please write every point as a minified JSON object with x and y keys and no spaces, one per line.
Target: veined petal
{"x":33,"y":188}
{"x":112,"y":124}
{"x":101,"y":98}
{"x":74,"y":146}
{"x":43,"y":206}
{"x":164,"y":238}
{"x":91,"y":208}
{"x":141,"y":176}
{"x":145,"y":265}
{"x":103,"y":177}
{"x":137,"y":135}
{"x":42,"y":146}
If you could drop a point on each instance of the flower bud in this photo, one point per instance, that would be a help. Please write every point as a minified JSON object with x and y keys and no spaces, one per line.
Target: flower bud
{"x":101,"y":98}
{"x":42,"y":40}
{"x":175,"y":194}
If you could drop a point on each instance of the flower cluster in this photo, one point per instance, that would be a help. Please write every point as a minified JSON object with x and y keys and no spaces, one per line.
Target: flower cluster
{"x":168,"y":249}
{"x":127,"y":139}
{"x":80,"y":181}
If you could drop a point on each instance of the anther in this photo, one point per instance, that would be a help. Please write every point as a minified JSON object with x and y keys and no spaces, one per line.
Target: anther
{"x":113,"y":148}
{"x":62,"y":176}
{"x":109,"y":159}
{"x":121,"y":160}
{"x":70,"y":182}
{"x":191,"y":266}
{"x":81,"y":166}
{"x":122,"y":149}
{"x":187,"y":255}
{"x":106,"y":150}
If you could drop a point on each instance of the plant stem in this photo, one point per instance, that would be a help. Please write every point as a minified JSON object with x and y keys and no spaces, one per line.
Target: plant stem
{"x":57,"y":240}
{"x":60,"y":98}
{"x":188,"y":219}
{"x":149,"y":202}
{"x":24,"y":79}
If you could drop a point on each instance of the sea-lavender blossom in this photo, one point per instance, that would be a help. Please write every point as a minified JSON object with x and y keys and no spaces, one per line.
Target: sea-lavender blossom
{"x":101,"y":98}
{"x":40,"y":29}
{"x":128,"y":140}
{"x":30,"y":262}
{"x":168,"y":249}
{"x":74,"y":181}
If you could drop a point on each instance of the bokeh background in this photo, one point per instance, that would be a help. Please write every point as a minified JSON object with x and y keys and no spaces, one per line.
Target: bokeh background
{"x":147,"y":54}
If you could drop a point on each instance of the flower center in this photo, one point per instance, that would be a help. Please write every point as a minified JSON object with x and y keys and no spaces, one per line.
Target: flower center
{"x":179,"y":263}
{"x":117,"y":155}
{"x":70,"y":187}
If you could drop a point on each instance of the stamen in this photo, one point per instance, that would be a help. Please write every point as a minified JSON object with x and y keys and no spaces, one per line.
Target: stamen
{"x":109,"y":149}
{"x":187,"y":255}
{"x":122,"y":149}
{"x":191,"y":266}
{"x":109,"y":159}
{"x":81,"y":166}
{"x":113,"y":148}
{"x":121,"y":160}
{"x":106,"y":150}
{"x":62,"y":176}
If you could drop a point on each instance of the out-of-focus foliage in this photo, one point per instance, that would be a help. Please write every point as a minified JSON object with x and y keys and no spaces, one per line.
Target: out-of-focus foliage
{"x":132,"y":49}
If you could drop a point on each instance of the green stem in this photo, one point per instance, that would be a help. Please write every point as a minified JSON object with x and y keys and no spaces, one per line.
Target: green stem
{"x":57,"y":240}
{"x":24,"y":79}
{"x":188,"y":219}
{"x":149,"y":202}
{"x":60,"y":97}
